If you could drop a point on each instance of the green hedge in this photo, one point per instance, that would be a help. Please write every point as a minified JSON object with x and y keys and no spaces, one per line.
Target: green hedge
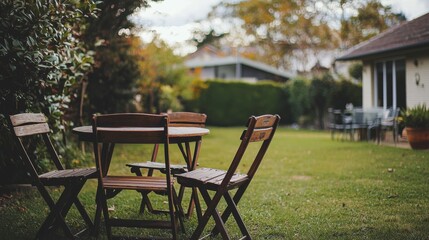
{"x":230,"y":103}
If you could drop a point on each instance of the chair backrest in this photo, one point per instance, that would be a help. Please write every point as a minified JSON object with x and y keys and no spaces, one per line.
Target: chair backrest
{"x":187,"y":119}
{"x":127,"y":128}
{"x":390,"y":116}
{"x":260,"y":128}
{"x":392,"y":113}
{"x":358,"y":116}
{"x":181,"y":119}
{"x":331,"y":118}
{"x":26,"y":125}
{"x":338,"y":117}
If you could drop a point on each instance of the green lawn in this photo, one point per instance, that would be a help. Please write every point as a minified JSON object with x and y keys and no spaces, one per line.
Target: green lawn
{"x":308,"y":187}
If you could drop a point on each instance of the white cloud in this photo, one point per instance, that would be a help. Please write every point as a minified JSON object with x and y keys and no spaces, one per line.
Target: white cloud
{"x":411,"y":8}
{"x":174,"y":12}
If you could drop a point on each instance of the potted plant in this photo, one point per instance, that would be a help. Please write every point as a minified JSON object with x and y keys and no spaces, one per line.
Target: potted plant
{"x":416,"y":121}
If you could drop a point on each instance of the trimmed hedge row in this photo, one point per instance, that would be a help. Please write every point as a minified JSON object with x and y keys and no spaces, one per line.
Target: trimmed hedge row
{"x":228,"y":103}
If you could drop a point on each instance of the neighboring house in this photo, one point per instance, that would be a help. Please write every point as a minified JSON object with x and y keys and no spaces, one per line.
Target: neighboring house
{"x":208,"y":63}
{"x":395,"y":65}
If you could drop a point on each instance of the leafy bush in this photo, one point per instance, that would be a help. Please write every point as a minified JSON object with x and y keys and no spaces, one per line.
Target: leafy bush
{"x":298,"y":100}
{"x":42,"y":59}
{"x":346,"y":92}
{"x":355,"y":71}
{"x":308,"y":100}
{"x":229,"y":103}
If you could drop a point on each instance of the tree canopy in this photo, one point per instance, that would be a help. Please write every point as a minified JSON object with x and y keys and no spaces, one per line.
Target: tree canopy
{"x":279,"y":32}
{"x":164,"y":83}
{"x":112,"y":83}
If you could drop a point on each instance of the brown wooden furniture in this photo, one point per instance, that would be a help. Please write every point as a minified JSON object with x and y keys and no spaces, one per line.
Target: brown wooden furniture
{"x":260,"y":128}
{"x":176,"y":119}
{"x":30,"y":126}
{"x":114,"y":129}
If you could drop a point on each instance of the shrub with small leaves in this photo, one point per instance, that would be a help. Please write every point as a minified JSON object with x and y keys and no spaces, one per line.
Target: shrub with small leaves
{"x":41,"y":58}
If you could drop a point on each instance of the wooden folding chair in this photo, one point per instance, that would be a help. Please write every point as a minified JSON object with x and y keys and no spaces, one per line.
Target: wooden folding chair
{"x":111,"y":129}
{"x":29,"y":126}
{"x":176,"y":119}
{"x":260,"y":128}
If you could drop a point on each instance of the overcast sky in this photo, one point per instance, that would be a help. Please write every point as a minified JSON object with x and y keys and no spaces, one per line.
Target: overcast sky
{"x":174,"y":20}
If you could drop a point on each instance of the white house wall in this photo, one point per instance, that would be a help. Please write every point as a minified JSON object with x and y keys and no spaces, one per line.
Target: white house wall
{"x":417,"y":80}
{"x":367,"y":85}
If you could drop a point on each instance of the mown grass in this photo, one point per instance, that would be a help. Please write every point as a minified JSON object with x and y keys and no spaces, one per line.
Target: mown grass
{"x":308,"y":187}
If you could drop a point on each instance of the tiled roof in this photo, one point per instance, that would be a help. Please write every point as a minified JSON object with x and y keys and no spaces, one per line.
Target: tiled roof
{"x":409,"y":35}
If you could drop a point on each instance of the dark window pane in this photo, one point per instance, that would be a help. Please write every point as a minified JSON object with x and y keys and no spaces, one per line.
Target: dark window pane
{"x":400,"y":84}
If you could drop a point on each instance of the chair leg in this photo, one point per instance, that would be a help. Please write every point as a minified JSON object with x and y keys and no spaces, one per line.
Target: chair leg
{"x":145,"y":202}
{"x":172,"y":214}
{"x":103,"y":201}
{"x":211,"y":211}
{"x":79,"y":206}
{"x":178,"y":210}
{"x":232,"y":205}
{"x":197,"y":204}
{"x":395,"y":135}
{"x":97,"y":217}
{"x":55,"y":217}
{"x":227,"y":212}
{"x":82,"y":210}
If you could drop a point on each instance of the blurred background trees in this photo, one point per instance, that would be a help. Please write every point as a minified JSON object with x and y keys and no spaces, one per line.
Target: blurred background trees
{"x":291,"y":33}
{"x":164,"y":83}
{"x":111,"y":85}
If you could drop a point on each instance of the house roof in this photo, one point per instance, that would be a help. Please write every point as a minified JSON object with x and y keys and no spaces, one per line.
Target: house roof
{"x":230,"y":60}
{"x":407,"y":36}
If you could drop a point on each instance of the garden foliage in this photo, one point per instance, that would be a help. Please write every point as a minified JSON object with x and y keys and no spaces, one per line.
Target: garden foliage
{"x":231,"y":103}
{"x":300,"y":101}
{"x":42,"y":59}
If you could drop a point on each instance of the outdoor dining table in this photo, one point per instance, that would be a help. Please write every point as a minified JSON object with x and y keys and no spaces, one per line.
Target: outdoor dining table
{"x":177,"y":135}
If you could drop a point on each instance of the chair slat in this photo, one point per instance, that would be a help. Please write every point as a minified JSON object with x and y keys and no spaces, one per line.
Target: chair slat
{"x":130,"y":136}
{"x":68,"y":173}
{"x":265,"y":121}
{"x":129,"y":120}
{"x":157,"y":165}
{"x":25,"y":118}
{"x":27,"y":130}
{"x":188,"y":119}
{"x":261,"y":134}
{"x":135,"y":182}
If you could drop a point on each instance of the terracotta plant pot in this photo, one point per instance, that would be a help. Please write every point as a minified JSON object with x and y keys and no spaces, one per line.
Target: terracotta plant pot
{"x":418,"y":138}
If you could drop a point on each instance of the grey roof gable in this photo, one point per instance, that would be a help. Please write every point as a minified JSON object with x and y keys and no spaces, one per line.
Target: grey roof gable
{"x":409,"y":35}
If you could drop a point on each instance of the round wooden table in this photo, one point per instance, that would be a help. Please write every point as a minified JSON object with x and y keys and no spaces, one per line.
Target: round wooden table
{"x":176,"y":134}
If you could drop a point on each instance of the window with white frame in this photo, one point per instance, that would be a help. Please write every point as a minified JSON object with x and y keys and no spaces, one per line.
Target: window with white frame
{"x":389,"y":84}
